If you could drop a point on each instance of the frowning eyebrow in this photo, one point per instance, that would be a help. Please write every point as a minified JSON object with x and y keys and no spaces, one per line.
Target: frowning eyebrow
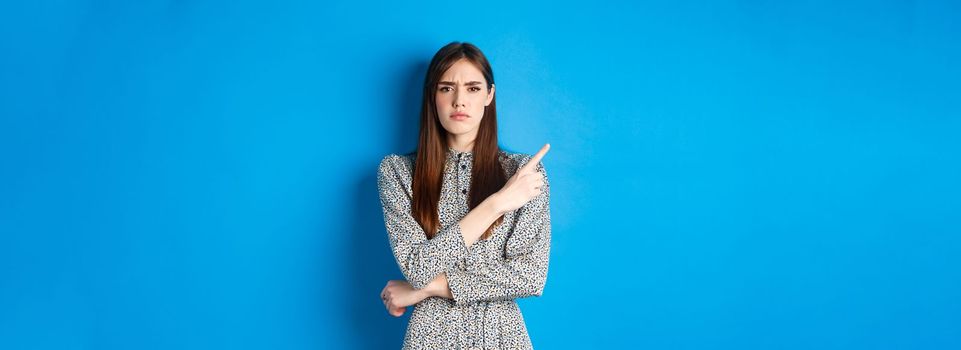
{"x":451,"y":83}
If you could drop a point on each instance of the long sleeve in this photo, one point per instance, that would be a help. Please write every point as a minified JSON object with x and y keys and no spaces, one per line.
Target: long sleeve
{"x":420,"y":259}
{"x":523,"y":270}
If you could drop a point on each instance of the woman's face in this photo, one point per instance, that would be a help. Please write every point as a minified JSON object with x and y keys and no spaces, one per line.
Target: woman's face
{"x":461,"y":97}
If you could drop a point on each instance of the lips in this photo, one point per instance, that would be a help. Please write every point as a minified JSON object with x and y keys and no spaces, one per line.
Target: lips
{"x":459,"y":116}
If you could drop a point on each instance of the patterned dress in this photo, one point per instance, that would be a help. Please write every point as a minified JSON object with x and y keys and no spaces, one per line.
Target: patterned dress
{"x":485,"y":278}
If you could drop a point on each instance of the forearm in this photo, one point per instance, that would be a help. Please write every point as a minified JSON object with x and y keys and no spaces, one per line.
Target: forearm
{"x":422,"y":271}
{"x":498,"y":282}
{"x":437,"y":288}
{"x":479,"y":219}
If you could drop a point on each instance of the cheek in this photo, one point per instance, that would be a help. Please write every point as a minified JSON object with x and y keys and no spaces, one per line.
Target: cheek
{"x":442,"y":102}
{"x":443,"y":110}
{"x":479,"y":101}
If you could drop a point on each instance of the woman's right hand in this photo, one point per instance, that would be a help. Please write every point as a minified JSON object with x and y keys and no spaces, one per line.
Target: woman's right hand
{"x":526,"y":184}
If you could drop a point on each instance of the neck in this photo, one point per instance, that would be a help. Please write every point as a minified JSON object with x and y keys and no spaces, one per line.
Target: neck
{"x":461,"y":143}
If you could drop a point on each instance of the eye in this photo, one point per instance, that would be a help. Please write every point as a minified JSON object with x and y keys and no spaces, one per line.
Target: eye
{"x":473,"y":89}
{"x":445,"y":89}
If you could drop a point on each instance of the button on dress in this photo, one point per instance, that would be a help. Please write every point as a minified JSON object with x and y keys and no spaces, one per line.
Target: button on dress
{"x":485,"y":278}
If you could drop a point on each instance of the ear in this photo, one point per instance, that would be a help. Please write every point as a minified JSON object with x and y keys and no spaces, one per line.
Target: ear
{"x":490,"y":96}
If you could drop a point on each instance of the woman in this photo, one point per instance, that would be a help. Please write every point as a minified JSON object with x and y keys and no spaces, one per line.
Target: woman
{"x":468,"y":223}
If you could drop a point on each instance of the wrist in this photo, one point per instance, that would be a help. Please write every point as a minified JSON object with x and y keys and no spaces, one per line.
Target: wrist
{"x":437,"y":288}
{"x":425,"y":293}
{"x":429,"y":290}
{"x":493,"y":203}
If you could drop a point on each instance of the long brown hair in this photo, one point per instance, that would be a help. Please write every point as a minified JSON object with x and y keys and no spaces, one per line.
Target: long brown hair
{"x":487,"y":175}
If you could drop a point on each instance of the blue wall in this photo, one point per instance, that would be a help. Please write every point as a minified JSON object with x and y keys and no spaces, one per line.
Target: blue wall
{"x":726,"y":175}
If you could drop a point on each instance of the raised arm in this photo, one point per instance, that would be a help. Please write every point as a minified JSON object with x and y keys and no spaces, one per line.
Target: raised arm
{"x":425,"y":262}
{"x":522,"y":272}
{"x":420,"y":259}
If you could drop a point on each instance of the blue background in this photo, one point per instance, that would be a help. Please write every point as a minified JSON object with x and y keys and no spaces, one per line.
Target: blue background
{"x":725,"y":175}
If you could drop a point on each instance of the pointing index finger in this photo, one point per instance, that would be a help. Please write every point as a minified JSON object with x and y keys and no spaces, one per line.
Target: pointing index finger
{"x":537,"y":158}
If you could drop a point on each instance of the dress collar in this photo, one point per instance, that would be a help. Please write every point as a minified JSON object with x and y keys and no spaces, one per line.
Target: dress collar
{"x":453,"y":153}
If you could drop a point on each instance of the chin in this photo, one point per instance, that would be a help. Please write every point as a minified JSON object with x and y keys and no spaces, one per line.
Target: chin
{"x":457,"y":128}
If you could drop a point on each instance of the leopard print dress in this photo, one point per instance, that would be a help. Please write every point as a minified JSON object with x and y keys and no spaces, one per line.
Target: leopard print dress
{"x":485,"y":278}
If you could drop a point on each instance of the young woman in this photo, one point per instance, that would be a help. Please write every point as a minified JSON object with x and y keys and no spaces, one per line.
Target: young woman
{"x":468,"y":223}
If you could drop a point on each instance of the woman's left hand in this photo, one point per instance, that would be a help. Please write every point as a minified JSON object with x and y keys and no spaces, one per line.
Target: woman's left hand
{"x":398,"y":295}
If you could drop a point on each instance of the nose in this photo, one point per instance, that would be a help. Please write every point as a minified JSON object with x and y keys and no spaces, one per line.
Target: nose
{"x":459,"y":100}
